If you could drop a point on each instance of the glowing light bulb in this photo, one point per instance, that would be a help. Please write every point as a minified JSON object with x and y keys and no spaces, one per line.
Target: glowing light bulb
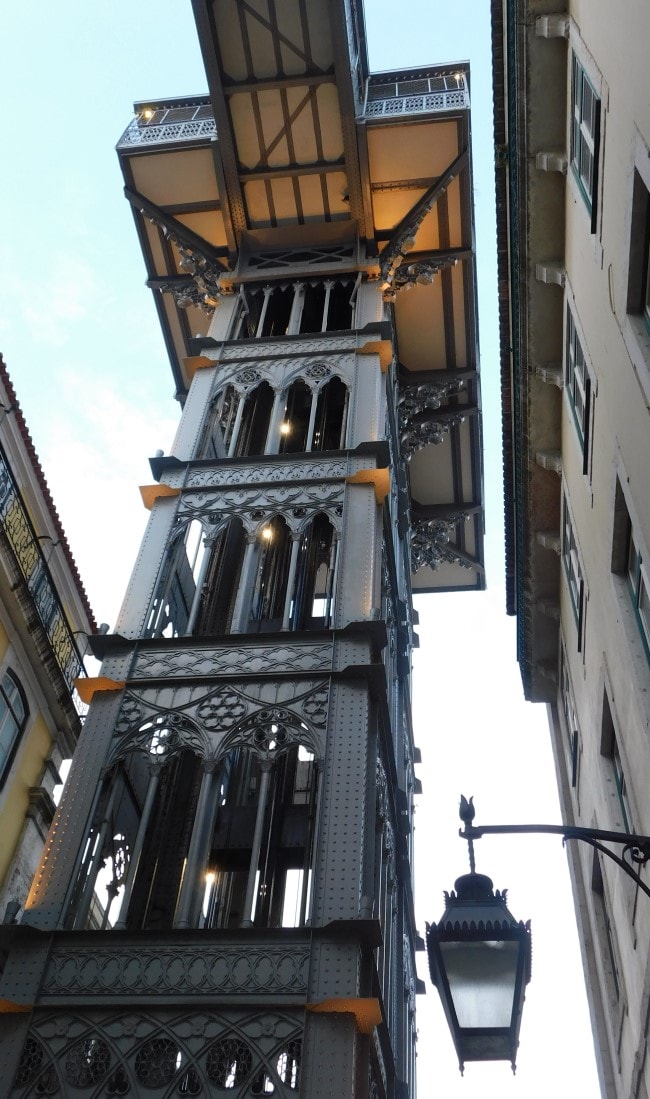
{"x":285,"y":429}
{"x":267,"y":534}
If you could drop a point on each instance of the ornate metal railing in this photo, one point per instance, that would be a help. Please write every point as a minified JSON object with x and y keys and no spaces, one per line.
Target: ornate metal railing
{"x":433,"y":93}
{"x":29,"y":557}
{"x":164,"y":124}
{"x":159,"y":124}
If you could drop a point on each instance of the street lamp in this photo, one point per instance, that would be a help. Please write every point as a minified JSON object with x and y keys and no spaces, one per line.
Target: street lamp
{"x":479,"y":960}
{"x":479,"y":954}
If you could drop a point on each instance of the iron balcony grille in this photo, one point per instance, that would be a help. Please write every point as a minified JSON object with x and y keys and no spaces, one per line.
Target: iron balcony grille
{"x":434,"y":93}
{"x":165,"y":125}
{"x":162,"y":125}
{"x":29,"y":558}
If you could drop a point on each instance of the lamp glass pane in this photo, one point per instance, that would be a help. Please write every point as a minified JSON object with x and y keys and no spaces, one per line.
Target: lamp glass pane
{"x":482,"y":978}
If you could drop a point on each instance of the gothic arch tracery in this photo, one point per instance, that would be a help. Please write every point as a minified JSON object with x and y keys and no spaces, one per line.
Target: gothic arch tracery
{"x":206,"y":719}
{"x":112,"y":1054}
{"x":215,"y":506}
{"x":161,"y":737}
{"x":270,"y":732}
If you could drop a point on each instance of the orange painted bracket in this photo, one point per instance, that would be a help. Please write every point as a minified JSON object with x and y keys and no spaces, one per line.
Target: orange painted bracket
{"x":151,"y":493}
{"x":88,"y":685}
{"x":8,"y":1007}
{"x":197,"y":362}
{"x":366,"y":1010}
{"x":383,"y":348}
{"x":380,"y":478}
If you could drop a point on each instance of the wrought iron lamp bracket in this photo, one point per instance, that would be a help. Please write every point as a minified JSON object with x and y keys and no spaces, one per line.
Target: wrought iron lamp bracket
{"x":635,"y":848}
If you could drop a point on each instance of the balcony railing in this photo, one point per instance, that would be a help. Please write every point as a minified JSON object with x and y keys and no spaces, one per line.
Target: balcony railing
{"x":178,"y":123}
{"x":401,"y":97}
{"x":26,"y":548}
{"x":162,"y":125}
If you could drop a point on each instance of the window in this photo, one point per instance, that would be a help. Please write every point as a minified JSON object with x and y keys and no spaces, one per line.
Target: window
{"x":585,"y":136}
{"x":621,"y":786}
{"x":268,"y":607}
{"x":629,"y":561}
{"x":330,"y":422}
{"x":314,"y":419}
{"x":281,"y":865}
{"x":570,"y":717}
{"x":287,"y":309}
{"x":269,"y":311}
{"x":13,"y":718}
{"x":223,"y":421}
{"x":572,"y":567}
{"x":172,"y":609}
{"x":609,"y":749}
{"x":218,"y":593}
{"x":638,"y":294}
{"x":251,"y":434}
{"x":295,"y":426}
{"x":294,"y":577}
{"x":609,"y":952}
{"x":312,"y":604}
{"x":578,"y":385}
{"x":284,"y":580}
{"x":638,"y":587}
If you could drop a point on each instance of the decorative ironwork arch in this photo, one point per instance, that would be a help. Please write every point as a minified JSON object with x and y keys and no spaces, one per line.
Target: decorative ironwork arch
{"x":160,"y":737}
{"x":147,"y":1053}
{"x":270,"y":732}
{"x":315,"y":375}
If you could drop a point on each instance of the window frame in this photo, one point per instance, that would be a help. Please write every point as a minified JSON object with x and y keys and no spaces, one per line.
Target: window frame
{"x":607,"y":933}
{"x":571,"y":560}
{"x":585,"y":135}
{"x":629,"y":564}
{"x":260,"y":318}
{"x":638,"y":586}
{"x":577,"y":378}
{"x":638,"y":286}
{"x":633,"y":286}
{"x":611,"y":752}
{"x":620,"y":782}
{"x":570,"y":714}
{"x":9,"y":711}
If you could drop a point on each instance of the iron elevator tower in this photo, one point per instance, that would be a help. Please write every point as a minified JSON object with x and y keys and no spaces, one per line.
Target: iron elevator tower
{"x":225,"y":902}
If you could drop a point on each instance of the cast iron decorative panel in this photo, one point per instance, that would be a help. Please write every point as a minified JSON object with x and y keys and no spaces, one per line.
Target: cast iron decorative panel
{"x":168,"y":970}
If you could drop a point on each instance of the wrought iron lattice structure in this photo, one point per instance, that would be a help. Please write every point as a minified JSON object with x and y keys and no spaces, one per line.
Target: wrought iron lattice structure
{"x":226,"y":895}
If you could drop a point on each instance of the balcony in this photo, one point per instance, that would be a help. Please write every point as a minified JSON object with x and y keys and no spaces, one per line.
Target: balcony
{"x":443,"y":92}
{"x":20,"y":538}
{"x":159,"y":123}
{"x":176,"y":123}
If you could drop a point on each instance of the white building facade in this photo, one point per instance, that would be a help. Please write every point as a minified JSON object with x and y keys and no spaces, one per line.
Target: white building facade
{"x":572,"y":115}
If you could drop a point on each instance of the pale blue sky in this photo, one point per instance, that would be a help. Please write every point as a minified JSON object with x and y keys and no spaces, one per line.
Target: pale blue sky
{"x":80,"y":336}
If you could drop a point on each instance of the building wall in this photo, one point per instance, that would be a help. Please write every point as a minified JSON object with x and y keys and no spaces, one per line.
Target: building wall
{"x":611,"y":676}
{"x":44,"y":616}
{"x":592,"y":277}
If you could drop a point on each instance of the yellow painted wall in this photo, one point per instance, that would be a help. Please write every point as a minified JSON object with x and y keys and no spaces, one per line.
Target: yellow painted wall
{"x":4,"y":642}
{"x":32,"y":753}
